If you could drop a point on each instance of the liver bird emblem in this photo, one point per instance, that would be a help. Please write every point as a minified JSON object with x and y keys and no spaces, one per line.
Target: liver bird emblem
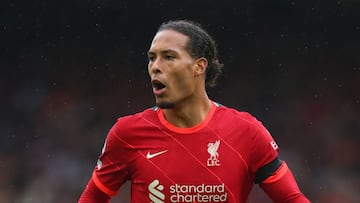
{"x":213,"y":148}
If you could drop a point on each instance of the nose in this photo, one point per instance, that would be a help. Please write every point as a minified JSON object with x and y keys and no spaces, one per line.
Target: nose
{"x":154,"y":67}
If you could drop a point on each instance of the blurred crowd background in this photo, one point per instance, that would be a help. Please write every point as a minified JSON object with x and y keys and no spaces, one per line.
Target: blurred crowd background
{"x":69,"y":69}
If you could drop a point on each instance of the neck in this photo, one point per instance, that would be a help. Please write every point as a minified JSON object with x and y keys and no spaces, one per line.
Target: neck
{"x":188,"y":114}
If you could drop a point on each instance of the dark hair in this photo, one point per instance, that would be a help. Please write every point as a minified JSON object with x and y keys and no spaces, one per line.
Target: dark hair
{"x":200,"y":44}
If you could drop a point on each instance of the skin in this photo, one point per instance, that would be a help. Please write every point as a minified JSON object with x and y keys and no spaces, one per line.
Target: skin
{"x":184,"y":99}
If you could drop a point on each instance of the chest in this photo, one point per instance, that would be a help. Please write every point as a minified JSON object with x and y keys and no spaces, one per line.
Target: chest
{"x":204,"y":157}
{"x":211,"y":165}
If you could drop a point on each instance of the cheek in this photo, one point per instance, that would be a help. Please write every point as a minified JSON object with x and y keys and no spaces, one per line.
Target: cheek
{"x":183,"y":83}
{"x":183,"y":79}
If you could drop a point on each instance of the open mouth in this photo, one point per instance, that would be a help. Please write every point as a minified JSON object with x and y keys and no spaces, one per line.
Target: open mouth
{"x":158,"y":85}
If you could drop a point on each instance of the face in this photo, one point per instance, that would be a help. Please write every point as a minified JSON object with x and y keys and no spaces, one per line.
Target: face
{"x":171,"y":69}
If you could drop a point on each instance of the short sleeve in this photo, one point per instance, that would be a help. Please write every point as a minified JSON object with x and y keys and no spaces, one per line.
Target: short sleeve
{"x":111,"y":169}
{"x":265,"y":147}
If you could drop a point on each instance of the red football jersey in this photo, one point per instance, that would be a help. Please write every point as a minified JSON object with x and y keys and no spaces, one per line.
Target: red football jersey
{"x":214,"y":161}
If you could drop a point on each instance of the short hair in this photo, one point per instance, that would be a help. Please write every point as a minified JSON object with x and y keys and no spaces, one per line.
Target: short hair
{"x":200,"y":44}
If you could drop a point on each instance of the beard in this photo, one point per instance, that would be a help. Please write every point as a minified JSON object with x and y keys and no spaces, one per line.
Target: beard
{"x":165,"y":105}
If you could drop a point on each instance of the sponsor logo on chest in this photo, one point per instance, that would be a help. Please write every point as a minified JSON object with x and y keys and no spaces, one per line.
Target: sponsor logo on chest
{"x":181,"y":193}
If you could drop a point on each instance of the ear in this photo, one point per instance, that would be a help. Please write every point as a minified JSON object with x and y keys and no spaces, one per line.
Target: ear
{"x":200,"y":66}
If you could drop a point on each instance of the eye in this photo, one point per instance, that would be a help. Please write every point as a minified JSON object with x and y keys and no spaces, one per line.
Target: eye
{"x":151,"y":57}
{"x":169,"y":57}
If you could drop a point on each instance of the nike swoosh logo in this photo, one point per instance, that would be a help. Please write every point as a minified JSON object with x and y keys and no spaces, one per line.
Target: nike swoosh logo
{"x":149,"y":155}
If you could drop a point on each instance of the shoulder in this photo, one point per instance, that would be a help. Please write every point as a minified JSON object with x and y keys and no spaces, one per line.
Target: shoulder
{"x":241,"y":121}
{"x":136,"y":120}
{"x":234,"y":115}
{"x":260,"y":143}
{"x":139,"y":115}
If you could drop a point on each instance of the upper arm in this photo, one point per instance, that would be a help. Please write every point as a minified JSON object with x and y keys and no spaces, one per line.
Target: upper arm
{"x":281,"y":186}
{"x":268,"y":170}
{"x":111,"y":170}
{"x":92,"y":194}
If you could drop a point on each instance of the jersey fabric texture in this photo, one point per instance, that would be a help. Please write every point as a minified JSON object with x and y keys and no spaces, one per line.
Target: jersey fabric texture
{"x":214,"y":161}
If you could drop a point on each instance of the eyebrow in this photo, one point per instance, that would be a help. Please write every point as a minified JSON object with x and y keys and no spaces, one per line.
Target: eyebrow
{"x":166,"y":51}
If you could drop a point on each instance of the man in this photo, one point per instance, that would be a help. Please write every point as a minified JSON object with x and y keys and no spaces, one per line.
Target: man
{"x":189,"y":148}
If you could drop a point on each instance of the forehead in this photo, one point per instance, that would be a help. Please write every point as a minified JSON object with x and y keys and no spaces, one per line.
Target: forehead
{"x":169,"y":39}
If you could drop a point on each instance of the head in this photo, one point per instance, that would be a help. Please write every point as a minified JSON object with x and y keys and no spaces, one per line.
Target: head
{"x":182,"y":59}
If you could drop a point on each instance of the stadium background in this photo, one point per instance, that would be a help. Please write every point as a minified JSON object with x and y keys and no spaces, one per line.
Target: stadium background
{"x":70,"y":68}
